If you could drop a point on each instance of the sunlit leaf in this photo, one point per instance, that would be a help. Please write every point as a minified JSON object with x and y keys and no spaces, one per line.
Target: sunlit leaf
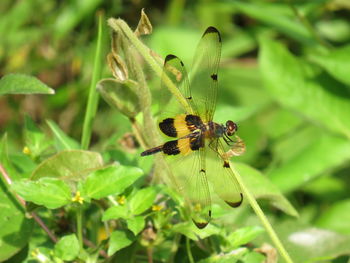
{"x":322,"y":154}
{"x":23,"y":84}
{"x":280,"y":17}
{"x":311,"y":244}
{"x":244,"y":235}
{"x":113,"y":179}
{"x":336,"y":62}
{"x":67,"y":248}
{"x":142,"y":200}
{"x":68,"y":164}
{"x":192,"y":232}
{"x":115,"y":212}
{"x":49,"y":192}
{"x":136,"y":224}
{"x":336,"y":218}
{"x":119,"y":239}
{"x":303,"y":88}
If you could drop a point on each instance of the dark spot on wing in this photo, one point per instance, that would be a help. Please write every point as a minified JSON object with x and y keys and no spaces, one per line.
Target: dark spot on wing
{"x":171,"y":148}
{"x":202,"y":171}
{"x":182,"y":64}
{"x":212,"y":29}
{"x":200,"y":225}
{"x":168,"y":128}
{"x":214,"y":77}
{"x":189,"y":98}
{"x":209,"y":213}
{"x":168,"y":58}
{"x":235,"y":204}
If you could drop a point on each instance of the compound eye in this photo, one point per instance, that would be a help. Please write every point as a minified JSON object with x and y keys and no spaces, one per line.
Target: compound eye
{"x":231,"y":128}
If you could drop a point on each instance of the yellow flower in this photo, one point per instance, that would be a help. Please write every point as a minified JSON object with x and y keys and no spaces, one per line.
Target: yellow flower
{"x":78,"y":198}
{"x":121,"y":199}
{"x":157,"y":208}
{"x":26,"y":150}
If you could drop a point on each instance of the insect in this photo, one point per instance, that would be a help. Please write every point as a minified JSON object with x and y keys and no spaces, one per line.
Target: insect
{"x":197,"y":135}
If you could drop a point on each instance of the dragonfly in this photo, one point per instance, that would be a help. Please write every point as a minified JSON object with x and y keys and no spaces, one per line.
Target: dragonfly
{"x":195,"y":134}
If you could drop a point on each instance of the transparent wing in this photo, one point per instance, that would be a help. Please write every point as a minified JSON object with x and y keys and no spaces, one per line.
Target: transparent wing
{"x":204,"y":73}
{"x":175,"y":75}
{"x":191,"y":179}
{"x":222,"y":177}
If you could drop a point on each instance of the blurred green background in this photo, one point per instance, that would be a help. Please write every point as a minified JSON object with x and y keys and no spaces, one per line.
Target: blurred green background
{"x":284,"y":78}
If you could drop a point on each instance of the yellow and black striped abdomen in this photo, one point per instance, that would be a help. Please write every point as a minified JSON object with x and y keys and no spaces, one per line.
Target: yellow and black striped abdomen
{"x":181,"y":125}
{"x":183,"y":146}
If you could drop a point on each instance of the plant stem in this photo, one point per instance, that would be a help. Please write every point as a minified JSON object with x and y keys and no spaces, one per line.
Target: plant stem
{"x":258,"y":211}
{"x":93,"y":95}
{"x":188,"y":250}
{"x":80,"y":225}
{"x":138,"y":133}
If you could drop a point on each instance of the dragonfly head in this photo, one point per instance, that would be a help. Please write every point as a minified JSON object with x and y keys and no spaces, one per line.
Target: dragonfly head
{"x":231,"y":128}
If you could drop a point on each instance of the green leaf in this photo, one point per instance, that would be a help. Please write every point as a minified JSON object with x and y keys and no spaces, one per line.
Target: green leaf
{"x":63,"y":141}
{"x":255,"y":257}
{"x":336,"y":62}
{"x":121,"y":95}
{"x":262,"y":188}
{"x":224,"y":258}
{"x":115,"y":212}
{"x":35,"y":139}
{"x":5,"y":161}
{"x":299,"y":86}
{"x":189,"y":230}
{"x":136,"y":224}
{"x":311,"y":244}
{"x":49,"y":192}
{"x":15,"y":227}
{"x":336,"y":218}
{"x":244,"y":235}
{"x":281,"y":17}
{"x":67,"y":248}
{"x":142,"y":200}
{"x":324,"y":153}
{"x":68,"y":164}
{"x":119,"y":239}
{"x":113,"y":179}
{"x":23,"y":84}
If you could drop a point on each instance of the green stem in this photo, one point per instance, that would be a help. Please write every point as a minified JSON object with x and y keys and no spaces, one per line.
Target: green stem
{"x":92,"y":103}
{"x":80,"y":225}
{"x":258,"y":211}
{"x":188,"y":249}
{"x":118,"y":24}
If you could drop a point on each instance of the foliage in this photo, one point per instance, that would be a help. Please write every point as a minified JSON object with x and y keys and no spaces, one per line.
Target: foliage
{"x":74,"y":187}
